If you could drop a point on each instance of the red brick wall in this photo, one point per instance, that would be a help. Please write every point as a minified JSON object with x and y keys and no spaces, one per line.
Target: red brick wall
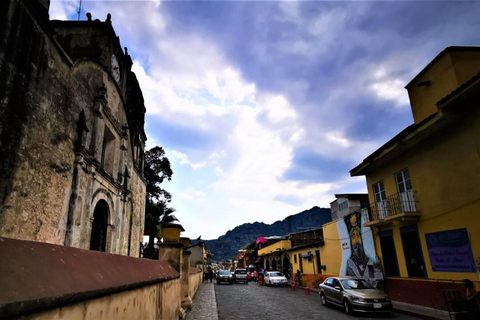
{"x":421,"y":292}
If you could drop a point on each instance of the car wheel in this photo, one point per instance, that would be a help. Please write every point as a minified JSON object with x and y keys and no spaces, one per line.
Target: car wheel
{"x":270,"y":283}
{"x":348,"y":307}
{"x":218,"y":282}
{"x":324,"y":299}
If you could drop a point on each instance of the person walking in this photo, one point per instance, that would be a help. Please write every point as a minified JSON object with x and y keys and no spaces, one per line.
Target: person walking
{"x":472,"y":297}
{"x":210,"y":275}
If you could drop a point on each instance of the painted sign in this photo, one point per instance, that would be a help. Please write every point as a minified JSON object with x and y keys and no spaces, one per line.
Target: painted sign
{"x":358,"y":250}
{"x":450,"y":251}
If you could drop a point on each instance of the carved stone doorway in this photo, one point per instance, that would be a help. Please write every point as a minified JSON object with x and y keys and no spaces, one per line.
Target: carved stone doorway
{"x":98,"y":238}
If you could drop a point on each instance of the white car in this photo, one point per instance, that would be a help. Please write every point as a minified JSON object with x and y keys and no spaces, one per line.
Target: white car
{"x":275,"y":278}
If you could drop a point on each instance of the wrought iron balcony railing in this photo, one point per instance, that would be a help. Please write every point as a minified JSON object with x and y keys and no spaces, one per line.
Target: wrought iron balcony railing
{"x":402,"y":202}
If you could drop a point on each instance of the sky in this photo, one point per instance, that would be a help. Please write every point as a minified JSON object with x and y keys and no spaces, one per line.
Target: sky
{"x":263,"y":107}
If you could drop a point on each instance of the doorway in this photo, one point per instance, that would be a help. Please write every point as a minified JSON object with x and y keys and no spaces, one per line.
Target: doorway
{"x":98,"y":238}
{"x":413,"y":252}
{"x":389,"y":255}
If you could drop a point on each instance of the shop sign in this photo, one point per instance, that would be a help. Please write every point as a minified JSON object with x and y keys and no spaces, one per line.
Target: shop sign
{"x":450,"y":251}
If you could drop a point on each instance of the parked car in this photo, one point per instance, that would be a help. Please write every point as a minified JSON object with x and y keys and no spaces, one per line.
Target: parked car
{"x":224,"y":276}
{"x":354,"y":295}
{"x":241,"y":276}
{"x":275,"y":278}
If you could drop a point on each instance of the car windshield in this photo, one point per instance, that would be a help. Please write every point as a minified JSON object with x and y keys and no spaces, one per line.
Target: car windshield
{"x":241,"y":272}
{"x":224,"y":272}
{"x":275,"y":274}
{"x":355,"y":284}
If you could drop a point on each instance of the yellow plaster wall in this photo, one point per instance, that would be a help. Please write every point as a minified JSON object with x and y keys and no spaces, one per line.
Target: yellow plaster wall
{"x":194,"y":282}
{"x":307,"y":266}
{"x":449,"y":72}
{"x":331,"y":252}
{"x":280,"y":245}
{"x":444,"y":171}
{"x":158,"y":301}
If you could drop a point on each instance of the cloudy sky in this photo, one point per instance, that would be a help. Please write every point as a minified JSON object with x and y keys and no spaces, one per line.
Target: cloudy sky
{"x":263,"y":107}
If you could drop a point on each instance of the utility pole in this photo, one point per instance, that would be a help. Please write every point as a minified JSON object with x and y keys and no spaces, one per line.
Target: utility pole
{"x":79,"y":9}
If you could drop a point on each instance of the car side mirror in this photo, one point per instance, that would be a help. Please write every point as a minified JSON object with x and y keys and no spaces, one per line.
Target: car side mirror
{"x":338,"y":288}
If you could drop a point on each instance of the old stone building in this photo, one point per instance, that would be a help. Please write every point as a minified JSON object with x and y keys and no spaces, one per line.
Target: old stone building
{"x":71,"y":132}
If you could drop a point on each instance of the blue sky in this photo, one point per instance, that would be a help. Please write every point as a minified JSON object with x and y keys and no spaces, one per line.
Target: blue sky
{"x":263,"y":107}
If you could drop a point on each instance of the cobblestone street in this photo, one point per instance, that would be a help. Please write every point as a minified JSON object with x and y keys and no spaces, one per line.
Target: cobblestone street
{"x":252,"y":301}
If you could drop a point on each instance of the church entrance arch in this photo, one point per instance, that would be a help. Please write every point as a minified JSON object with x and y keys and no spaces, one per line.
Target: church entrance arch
{"x":98,"y":238}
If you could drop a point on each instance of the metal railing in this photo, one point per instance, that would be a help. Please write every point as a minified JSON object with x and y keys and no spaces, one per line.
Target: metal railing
{"x":392,"y":205}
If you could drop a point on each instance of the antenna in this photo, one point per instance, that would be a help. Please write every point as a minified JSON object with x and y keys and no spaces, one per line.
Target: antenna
{"x":79,"y":9}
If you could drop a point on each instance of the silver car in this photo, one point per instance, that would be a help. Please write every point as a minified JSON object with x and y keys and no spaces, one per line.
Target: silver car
{"x":240,"y":275}
{"x":224,"y":276}
{"x":354,"y":295}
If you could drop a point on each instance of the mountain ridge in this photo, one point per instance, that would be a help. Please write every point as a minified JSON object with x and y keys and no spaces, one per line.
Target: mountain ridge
{"x":227,"y":245}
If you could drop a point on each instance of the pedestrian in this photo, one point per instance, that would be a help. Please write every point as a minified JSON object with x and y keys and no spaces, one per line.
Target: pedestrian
{"x":255,"y":276}
{"x":210,"y":275}
{"x":472,"y":297}
{"x":261,"y":277}
{"x":299,"y":278}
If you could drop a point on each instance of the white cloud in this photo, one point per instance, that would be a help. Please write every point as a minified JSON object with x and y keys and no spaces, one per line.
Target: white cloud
{"x":184,"y":160}
{"x":387,"y":87}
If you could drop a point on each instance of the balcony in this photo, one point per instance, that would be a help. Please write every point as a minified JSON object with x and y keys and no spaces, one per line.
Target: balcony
{"x":397,"y":207}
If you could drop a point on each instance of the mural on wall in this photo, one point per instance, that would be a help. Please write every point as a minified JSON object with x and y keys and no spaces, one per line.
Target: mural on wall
{"x":358,"y":251}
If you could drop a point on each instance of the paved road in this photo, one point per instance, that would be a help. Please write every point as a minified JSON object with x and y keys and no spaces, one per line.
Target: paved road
{"x":240,"y":301}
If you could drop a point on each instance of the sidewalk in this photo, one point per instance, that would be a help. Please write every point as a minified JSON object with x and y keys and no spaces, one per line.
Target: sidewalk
{"x":204,"y":306}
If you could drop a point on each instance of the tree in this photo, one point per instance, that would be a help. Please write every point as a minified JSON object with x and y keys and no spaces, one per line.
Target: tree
{"x":157,"y":169}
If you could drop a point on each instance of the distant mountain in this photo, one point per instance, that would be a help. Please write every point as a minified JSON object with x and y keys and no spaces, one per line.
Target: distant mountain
{"x":226,"y":246}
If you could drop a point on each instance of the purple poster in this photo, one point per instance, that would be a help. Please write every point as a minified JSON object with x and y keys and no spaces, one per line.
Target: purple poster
{"x":450,"y":251}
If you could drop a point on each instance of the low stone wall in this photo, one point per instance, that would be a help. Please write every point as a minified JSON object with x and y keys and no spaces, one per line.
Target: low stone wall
{"x":149,"y":302}
{"x":45,"y":281}
{"x":195,"y":281}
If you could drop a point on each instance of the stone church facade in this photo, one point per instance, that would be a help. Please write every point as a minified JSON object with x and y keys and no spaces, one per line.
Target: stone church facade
{"x":71,"y":132}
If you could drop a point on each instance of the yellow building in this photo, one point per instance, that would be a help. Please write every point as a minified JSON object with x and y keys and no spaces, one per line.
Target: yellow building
{"x":424,"y":187}
{"x":305,"y":256}
{"x":275,"y":257}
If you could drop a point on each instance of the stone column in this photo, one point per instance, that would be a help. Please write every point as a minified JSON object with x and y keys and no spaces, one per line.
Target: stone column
{"x":171,"y":252}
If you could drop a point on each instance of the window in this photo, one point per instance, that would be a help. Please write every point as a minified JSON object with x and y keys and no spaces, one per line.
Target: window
{"x":405,"y":193}
{"x":381,"y":200}
{"x":403,"y":181}
{"x":301,"y":262}
{"x":329,"y":282}
{"x":318,"y":261}
{"x":342,"y":206}
{"x":294,"y":258}
{"x":379,"y":191}
{"x":336,"y":283}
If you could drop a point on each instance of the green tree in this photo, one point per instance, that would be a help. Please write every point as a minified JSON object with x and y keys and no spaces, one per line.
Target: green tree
{"x":157,"y":169}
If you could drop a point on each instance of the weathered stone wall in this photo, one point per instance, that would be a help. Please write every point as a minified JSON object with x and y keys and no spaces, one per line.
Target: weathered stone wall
{"x":65,"y":140}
